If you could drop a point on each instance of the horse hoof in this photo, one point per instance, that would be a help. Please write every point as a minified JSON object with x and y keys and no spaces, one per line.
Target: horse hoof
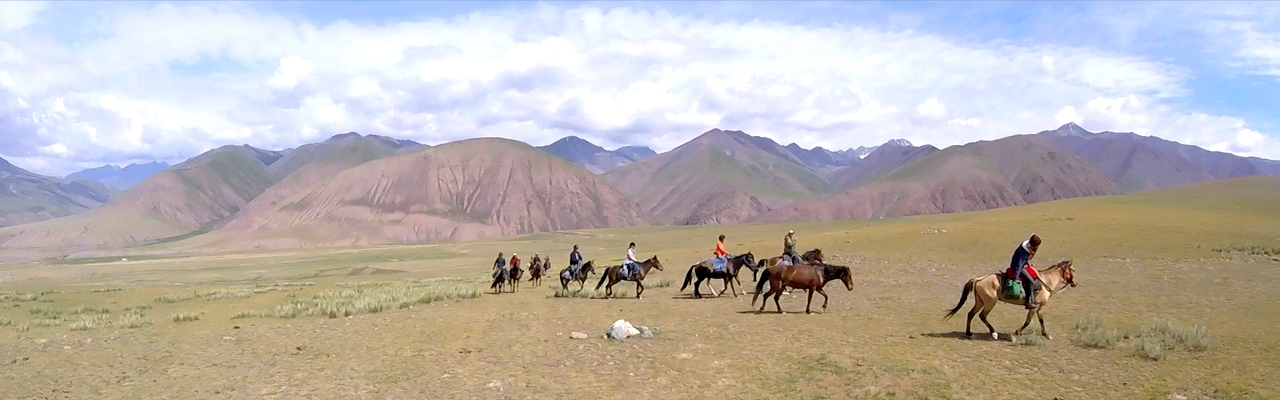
{"x":1048,"y":337}
{"x":995,"y":336}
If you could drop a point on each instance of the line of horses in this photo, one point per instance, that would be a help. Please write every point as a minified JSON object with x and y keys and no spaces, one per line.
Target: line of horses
{"x":812,"y":275}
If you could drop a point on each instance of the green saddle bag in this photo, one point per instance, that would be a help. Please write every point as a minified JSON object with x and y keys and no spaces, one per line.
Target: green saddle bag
{"x":1012,"y":289}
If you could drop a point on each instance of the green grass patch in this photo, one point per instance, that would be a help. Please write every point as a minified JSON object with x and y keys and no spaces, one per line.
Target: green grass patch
{"x":355,"y":298}
{"x":5,"y":322}
{"x":1153,"y":341}
{"x":660,"y":283}
{"x":1091,"y":334}
{"x":45,"y":311}
{"x":106,"y":290}
{"x":83,"y":309}
{"x":131,"y":321}
{"x":175,"y":297}
{"x":184,"y":317}
{"x":46,"y":322}
{"x":1254,"y":250}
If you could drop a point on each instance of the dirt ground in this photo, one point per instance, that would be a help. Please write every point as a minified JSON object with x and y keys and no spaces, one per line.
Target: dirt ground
{"x":1213,"y":265}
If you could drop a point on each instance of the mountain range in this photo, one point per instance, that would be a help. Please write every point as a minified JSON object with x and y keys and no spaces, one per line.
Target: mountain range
{"x":354,"y":189}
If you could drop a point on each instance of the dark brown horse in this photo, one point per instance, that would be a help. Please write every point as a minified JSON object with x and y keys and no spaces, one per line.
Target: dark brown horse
{"x":516,"y":274}
{"x":811,"y":277}
{"x":703,"y":271}
{"x":537,"y":268}
{"x":614,"y":276}
{"x":500,"y":280}
{"x":811,"y":257}
{"x":584,"y":271}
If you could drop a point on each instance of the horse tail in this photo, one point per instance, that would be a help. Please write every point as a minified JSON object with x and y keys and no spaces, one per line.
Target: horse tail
{"x":964,"y":295}
{"x":603,"y":276}
{"x":688,"y":278}
{"x":764,"y":277}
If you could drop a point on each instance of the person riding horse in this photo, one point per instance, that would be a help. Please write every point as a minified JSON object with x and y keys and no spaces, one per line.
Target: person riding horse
{"x":720,"y":253}
{"x":515,"y":261}
{"x":499,"y":265}
{"x":789,"y":248}
{"x":1021,"y":258}
{"x":631,"y":264}
{"x":575,"y":261}
{"x":536,"y":260}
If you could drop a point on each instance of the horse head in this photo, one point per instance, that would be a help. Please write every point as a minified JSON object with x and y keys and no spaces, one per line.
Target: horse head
{"x":746,"y":259}
{"x":588,"y":267}
{"x":840,"y":272}
{"x":1068,"y":272}
{"x":816,"y":255}
{"x":653,"y":262}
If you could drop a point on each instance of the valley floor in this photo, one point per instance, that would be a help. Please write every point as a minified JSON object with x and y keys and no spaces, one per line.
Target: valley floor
{"x":1213,"y":266}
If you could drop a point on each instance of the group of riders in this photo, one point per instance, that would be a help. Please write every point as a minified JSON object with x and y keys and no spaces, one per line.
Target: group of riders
{"x":1022,"y":256}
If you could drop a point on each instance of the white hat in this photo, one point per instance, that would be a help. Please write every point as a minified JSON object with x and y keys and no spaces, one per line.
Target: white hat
{"x":791,"y":231}
{"x":513,"y":254}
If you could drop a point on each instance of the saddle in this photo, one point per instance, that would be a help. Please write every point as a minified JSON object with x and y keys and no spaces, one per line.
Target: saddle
{"x":1011,"y":286}
{"x":628,"y":270}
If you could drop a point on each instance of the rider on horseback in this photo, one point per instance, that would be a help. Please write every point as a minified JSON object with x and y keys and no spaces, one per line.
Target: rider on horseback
{"x":575,"y":261}
{"x":720,"y":252}
{"x":630,"y":265}
{"x":1021,"y":258}
{"x":499,"y":264}
{"x":536,"y":260}
{"x":515,"y":261}
{"x":789,"y":248}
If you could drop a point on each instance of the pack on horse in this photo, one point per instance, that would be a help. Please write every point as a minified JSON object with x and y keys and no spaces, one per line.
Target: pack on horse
{"x":584,"y":270}
{"x":705,"y":271}
{"x":812,"y":257}
{"x":614,"y":275}
{"x":537,"y":268}
{"x":990,"y":289}
{"x":811,"y":277}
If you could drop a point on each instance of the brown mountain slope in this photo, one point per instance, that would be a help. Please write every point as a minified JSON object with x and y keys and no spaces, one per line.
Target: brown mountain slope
{"x":186,"y":198}
{"x":719,"y":177}
{"x":462,"y":190}
{"x":1140,"y":163}
{"x":884,"y":159}
{"x":27,"y":197}
{"x":307,"y":153}
{"x":982,"y":175}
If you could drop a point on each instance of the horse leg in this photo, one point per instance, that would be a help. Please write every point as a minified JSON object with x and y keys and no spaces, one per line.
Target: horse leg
{"x":809,"y":303}
{"x":775,"y":301}
{"x":639,"y":289}
{"x":968,"y":322}
{"x":1040,"y":316}
{"x":987,"y":306}
{"x":824,"y":299}
{"x":1030,"y":313}
{"x":696,"y":293}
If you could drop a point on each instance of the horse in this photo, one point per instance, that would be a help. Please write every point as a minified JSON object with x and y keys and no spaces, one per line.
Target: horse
{"x":583,"y":272}
{"x":516,"y":274}
{"x":500,"y":277}
{"x":613,"y":275}
{"x":811,"y":277}
{"x":536,"y":269}
{"x":731,"y":268}
{"x":811,"y":257}
{"x":987,"y":292}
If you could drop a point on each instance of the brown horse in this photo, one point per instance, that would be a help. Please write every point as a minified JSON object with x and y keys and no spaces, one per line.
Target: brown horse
{"x":537,"y":268}
{"x":612,"y":274}
{"x":811,"y":257}
{"x":987,"y":292}
{"x":811,"y":277}
{"x":516,"y":274}
{"x":584,"y":271}
{"x":703,"y":271}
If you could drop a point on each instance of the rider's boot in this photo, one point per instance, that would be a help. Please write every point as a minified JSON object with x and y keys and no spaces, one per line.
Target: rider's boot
{"x":1028,"y":289}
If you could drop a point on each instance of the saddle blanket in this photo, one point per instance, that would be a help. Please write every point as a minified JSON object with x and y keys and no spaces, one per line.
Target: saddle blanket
{"x":1031,"y":270}
{"x":718,"y":264}
{"x":628,"y":270}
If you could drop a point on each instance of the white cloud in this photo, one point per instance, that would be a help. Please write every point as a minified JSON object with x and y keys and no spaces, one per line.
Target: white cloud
{"x":16,"y":15}
{"x":932,"y":108}
{"x":621,"y":76}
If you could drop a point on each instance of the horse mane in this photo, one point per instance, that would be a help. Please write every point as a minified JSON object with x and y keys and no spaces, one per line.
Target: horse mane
{"x":1059,"y":265}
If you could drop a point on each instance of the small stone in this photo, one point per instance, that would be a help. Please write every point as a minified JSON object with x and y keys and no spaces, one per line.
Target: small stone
{"x":228,"y":338}
{"x":235,"y":327}
{"x":577,"y":335}
{"x":645,"y":332}
{"x":685,"y":356}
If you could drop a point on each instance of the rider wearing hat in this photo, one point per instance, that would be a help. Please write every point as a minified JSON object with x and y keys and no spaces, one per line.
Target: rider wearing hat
{"x":789,"y":248}
{"x":1021,"y":258}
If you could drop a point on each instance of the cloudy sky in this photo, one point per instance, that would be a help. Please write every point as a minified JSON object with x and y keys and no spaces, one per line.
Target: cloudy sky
{"x":82,"y":84}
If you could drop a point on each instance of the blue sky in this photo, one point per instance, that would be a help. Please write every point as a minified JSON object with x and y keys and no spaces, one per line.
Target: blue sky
{"x":82,"y":84}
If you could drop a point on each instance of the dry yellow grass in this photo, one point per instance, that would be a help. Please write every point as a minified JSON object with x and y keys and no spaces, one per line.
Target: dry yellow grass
{"x":1176,"y":298}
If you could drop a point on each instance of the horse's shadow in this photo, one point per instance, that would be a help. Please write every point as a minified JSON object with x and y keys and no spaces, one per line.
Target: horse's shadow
{"x":960,"y":335}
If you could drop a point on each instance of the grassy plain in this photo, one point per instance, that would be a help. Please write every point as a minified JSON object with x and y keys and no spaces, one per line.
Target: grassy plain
{"x":1176,"y":300}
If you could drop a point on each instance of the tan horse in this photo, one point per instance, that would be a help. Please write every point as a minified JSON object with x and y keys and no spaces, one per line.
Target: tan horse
{"x":612,"y":275}
{"x":987,"y":290}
